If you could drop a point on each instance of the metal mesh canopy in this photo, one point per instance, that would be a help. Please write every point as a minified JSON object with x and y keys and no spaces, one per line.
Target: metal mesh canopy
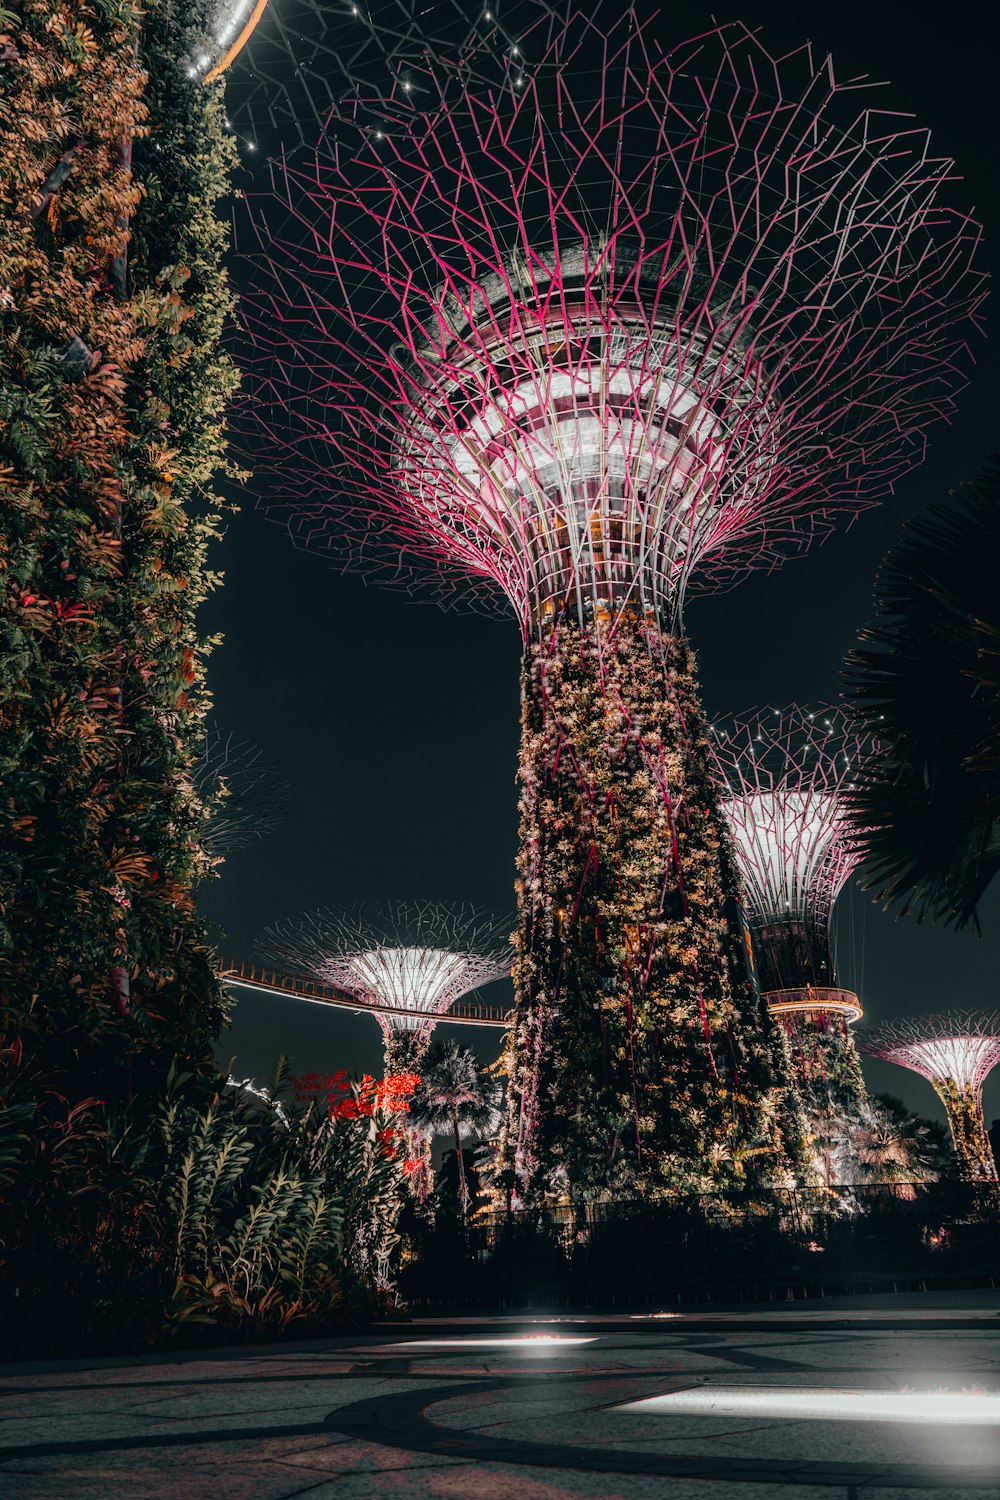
{"x":783,"y":842}
{"x":417,"y":958}
{"x":242,"y":792}
{"x":614,"y":323}
{"x":957,"y":1047}
{"x":784,"y":771}
{"x":302,"y":55}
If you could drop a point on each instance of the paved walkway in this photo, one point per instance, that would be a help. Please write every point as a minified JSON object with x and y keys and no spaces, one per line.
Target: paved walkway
{"x":474,"y":1409}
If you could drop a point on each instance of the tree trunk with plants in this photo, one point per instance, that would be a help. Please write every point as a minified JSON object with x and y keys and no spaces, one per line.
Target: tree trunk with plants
{"x":963,"y":1104}
{"x":463,"y":1186}
{"x":639,"y":1062}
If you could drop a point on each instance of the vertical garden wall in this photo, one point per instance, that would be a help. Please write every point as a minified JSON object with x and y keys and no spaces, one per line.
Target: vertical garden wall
{"x":112,"y":387}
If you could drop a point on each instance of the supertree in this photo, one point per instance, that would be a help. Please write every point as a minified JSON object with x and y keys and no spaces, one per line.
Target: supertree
{"x":784,"y":772}
{"x":955,"y":1052}
{"x":408,"y":961}
{"x":619,"y":325}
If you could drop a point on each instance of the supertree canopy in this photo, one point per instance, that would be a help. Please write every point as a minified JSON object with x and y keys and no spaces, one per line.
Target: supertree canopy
{"x":955,"y":1052}
{"x":297,"y":57}
{"x":409,"y":962}
{"x":618,"y":325}
{"x":784,"y":772}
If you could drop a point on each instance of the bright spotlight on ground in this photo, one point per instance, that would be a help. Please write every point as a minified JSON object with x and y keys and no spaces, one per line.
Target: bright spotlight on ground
{"x":830,"y":1405}
{"x":517,"y":1341}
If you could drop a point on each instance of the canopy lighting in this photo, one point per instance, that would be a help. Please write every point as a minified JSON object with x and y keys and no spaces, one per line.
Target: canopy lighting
{"x":229,"y":27}
{"x":830,"y":1405}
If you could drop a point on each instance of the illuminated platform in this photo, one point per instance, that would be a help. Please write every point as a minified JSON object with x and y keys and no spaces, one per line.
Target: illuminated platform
{"x":814,"y":1000}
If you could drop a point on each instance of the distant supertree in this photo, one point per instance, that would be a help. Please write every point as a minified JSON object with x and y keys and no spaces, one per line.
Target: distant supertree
{"x":409,"y":961}
{"x":784,"y":772}
{"x":955,"y":1052}
{"x":241,"y":792}
{"x":616,"y":326}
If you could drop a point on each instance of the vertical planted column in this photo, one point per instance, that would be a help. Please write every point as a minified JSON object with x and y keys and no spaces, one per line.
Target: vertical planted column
{"x":632,"y":1066}
{"x":112,"y":390}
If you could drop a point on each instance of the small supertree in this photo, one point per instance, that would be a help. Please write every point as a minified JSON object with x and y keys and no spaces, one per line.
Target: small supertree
{"x":784,"y":773}
{"x":409,"y":962}
{"x":607,"y":328}
{"x":954,"y":1051}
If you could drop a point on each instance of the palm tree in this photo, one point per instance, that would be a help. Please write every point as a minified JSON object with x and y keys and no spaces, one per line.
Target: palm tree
{"x":455,"y":1095}
{"x":885,"y":1143}
{"x":925,"y":679}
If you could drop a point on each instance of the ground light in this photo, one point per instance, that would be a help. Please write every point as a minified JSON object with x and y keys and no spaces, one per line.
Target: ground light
{"x":515,"y":1341}
{"x":830,"y":1405}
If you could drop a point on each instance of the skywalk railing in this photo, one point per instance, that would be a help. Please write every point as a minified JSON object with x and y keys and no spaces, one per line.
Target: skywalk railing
{"x":235,"y":971}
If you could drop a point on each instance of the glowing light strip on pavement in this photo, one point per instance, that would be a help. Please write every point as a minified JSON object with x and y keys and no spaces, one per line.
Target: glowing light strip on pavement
{"x":519,"y":1341}
{"x":831,"y":1405}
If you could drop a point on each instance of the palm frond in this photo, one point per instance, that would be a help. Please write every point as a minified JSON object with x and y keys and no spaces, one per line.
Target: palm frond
{"x":925,"y":680}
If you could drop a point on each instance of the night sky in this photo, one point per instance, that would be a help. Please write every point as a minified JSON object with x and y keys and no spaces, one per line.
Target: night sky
{"x":396,"y":723}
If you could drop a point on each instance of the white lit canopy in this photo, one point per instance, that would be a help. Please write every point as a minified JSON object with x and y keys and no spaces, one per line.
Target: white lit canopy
{"x":421,"y":981}
{"x":783,"y":844}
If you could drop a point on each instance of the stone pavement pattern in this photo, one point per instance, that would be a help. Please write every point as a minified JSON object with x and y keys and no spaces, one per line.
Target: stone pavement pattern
{"x":447,"y":1409}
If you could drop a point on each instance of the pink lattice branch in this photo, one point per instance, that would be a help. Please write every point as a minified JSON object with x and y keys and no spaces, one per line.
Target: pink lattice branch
{"x":623,"y":324}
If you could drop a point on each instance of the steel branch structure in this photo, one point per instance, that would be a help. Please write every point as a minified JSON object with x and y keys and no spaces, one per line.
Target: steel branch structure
{"x":613,"y":326}
{"x":242,"y":794}
{"x":298,"y":57}
{"x":408,"y":962}
{"x":624,"y":323}
{"x":784,"y":772}
{"x":955,"y":1052}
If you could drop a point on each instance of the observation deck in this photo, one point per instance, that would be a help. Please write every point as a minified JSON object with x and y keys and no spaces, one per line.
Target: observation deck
{"x":235,"y":974}
{"x":813,"y":999}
